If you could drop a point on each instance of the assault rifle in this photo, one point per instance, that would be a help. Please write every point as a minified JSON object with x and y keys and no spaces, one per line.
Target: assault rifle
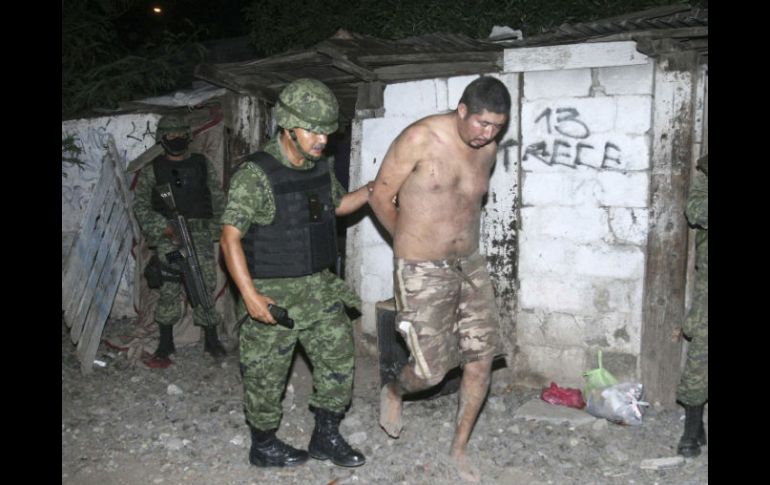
{"x":184,"y":260}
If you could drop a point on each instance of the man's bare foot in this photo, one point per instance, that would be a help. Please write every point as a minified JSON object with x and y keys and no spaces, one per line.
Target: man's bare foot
{"x":390,"y":411}
{"x":465,"y":469}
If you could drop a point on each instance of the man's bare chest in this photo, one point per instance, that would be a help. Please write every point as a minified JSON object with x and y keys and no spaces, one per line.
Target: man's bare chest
{"x":464,"y":178}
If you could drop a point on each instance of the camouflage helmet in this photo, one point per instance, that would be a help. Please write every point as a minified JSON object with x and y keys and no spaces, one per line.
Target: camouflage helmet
{"x":171,"y":124}
{"x":308,"y":104}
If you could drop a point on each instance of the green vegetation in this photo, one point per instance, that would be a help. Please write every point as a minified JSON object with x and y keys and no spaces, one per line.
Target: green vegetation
{"x":278,"y":25}
{"x":112,"y":51}
{"x":99,"y":72}
{"x":70,"y":153}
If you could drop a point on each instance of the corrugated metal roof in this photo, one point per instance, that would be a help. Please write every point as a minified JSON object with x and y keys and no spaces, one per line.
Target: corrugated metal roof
{"x":348,"y":60}
{"x":687,"y":26}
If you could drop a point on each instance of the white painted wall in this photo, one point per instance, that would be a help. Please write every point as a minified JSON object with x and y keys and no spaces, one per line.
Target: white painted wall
{"x":584,"y":209}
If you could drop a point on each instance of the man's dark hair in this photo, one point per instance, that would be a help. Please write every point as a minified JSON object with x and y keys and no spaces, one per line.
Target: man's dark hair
{"x":486,"y":93}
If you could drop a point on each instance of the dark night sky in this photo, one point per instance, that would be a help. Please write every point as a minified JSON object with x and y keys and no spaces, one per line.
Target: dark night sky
{"x":222,"y":19}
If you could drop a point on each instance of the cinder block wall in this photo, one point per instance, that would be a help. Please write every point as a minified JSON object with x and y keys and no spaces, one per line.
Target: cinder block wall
{"x":585,"y":159}
{"x":565,"y":223}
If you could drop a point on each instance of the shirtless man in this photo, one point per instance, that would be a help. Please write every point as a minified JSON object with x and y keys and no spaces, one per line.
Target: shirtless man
{"x":439,"y":167}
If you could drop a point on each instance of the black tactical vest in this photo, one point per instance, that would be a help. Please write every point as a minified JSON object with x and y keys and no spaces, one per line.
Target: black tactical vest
{"x":302,"y":238}
{"x":188,"y":179}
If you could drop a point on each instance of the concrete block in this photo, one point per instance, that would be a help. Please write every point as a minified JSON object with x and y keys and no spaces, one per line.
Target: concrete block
{"x":369,"y":233}
{"x":411,"y":98}
{"x":455,"y":87}
{"x":368,"y":319}
{"x":538,"y":410}
{"x":609,"y":295}
{"x":563,"y":329}
{"x":557,"y":84}
{"x":623,"y":189}
{"x":377,"y":273}
{"x":554,"y":188}
{"x":579,"y":224}
{"x":442,"y":95}
{"x":529,"y":327}
{"x":554,"y":292}
{"x":569,"y":118}
{"x":610,"y":262}
{"x":634,"y":114}
{"x":617,"y":331}
{"x":540,"y":365}
{"x":621,"y":365}
{"x":626,"y":79}
{"x":629,"y":226}
{"x":376,"y":136}
{"x":572,"y":56}
{"x":546,"y":255}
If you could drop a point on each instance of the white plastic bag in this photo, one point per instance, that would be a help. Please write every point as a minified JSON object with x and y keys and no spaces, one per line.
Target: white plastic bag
{"x":619,"y":403}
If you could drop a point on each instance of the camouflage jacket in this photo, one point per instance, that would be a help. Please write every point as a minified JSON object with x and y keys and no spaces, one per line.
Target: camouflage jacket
{"x":250,"y":201}
{"x":153,"y":223}
{"x":697,"y":213}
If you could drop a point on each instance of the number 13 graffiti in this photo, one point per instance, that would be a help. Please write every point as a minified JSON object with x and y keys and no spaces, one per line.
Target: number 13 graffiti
{"x":567,"y":123}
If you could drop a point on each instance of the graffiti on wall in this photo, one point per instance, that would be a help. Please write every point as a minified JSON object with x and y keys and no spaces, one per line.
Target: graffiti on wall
{"x":569,"y":143}
{"x":132,"y":136}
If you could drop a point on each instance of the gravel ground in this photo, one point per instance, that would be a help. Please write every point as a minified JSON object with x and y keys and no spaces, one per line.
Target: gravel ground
{"x":129,"y":424}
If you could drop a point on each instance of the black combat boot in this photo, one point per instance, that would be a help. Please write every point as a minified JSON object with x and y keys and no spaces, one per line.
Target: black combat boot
{"x":694,"y":434}
{"x":268,"y":450}
{"x":166,"y":344}
{"x":327,"y":442}
{"x":212,"y":344}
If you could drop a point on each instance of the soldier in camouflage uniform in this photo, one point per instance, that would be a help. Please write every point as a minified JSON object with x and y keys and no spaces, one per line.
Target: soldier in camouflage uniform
{"x":199,"y":197}
{"x":279,"y":240}
{"x":693,"y":391}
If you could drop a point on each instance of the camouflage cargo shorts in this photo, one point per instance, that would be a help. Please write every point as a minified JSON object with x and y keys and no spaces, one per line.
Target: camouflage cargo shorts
{"x":446,"y":313}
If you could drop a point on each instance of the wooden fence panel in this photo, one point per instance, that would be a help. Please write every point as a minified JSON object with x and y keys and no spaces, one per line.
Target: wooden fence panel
{"x":98,"y":258}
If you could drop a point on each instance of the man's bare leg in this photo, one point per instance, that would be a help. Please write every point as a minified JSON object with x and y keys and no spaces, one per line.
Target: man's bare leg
{"x":473,"y":390}
{"x":391,"y":399}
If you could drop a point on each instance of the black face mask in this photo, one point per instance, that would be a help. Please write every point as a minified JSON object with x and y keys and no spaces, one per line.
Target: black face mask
{"x":175,"y":146}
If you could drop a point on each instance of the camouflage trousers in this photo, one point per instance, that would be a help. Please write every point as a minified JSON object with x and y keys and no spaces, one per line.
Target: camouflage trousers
{"x":323,"y":329}
{"x":693,"y":387}
{"x":169,"y":310}
{"x":446,"y":313}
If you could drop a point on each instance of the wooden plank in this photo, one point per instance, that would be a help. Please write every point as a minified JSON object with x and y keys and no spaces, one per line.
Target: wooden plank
{"x":342,"y":62}
{"x":681,"y":32}
{"x":73,"y":270}
{"x":104,"y":243}
{"x":247,"y":86}
{"x":664,"y":285}
{"x":125,"y":192}
{"x":98,"y":238}
{"x":146,"y":157}
{"x":429,"y":57}
{"x":103,"y":239}
{"x":104,"y":295}
{"x":370,"y":96}
{"x":424,"y":71}
{"x":85,"y":251}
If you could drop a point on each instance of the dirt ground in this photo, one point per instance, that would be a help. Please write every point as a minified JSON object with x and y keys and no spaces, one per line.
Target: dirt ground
{"x":129,"y":424}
